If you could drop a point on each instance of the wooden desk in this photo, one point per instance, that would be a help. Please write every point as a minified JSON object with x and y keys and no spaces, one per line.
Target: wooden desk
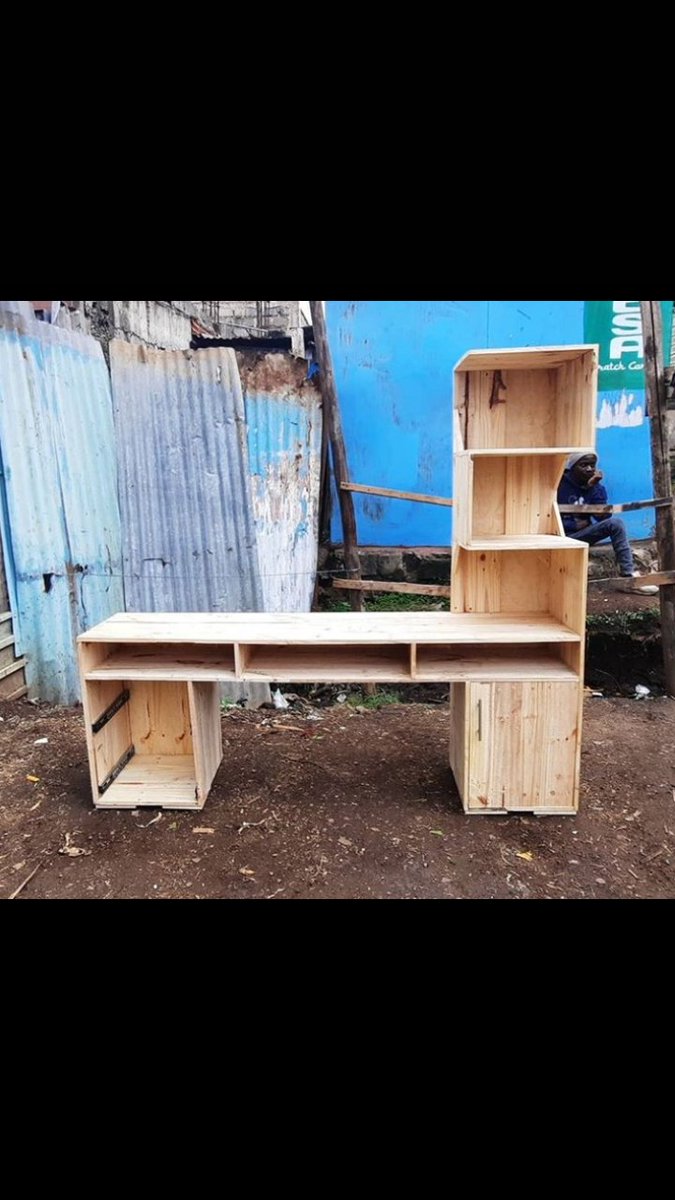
{"x":152,"y":708}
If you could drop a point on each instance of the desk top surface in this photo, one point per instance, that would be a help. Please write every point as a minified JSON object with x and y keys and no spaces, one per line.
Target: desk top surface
{"x":350,"y":628}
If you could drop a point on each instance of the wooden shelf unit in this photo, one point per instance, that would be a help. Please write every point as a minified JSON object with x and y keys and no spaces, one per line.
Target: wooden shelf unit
{"x":515,"y":742}
{"x":150,"y":681}
{"x":511,"y":648}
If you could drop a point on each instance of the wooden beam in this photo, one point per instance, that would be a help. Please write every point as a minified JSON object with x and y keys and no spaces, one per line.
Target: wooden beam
{"x":659,"y":578}
{"x":413,"y":589}
{"x":607,"y":509}
{"x":337,"y":444}
{"x":18,"y":665}
{"x":652,"y":334}
{"x":378,"y":491}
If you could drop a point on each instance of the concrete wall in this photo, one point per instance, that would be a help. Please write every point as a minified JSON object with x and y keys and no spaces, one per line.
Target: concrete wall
{"x":168,"y":324}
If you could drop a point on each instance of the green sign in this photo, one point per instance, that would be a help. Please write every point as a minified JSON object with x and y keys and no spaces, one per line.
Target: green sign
{"x":616,"y":325}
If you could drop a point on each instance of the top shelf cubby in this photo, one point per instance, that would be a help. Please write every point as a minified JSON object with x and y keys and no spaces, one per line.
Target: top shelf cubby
{"x":512,"y":400}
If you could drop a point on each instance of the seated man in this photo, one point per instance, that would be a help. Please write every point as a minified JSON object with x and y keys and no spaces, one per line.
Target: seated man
{"x":581,"y":484}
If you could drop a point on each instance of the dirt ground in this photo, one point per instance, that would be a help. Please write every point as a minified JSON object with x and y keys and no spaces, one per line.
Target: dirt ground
{"x":337,"y":802}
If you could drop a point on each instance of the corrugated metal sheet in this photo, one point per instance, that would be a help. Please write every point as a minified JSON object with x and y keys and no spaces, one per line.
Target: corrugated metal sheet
{"x":283,"y":414}
{"x":57,"y":444}
{"x":189,"y":542}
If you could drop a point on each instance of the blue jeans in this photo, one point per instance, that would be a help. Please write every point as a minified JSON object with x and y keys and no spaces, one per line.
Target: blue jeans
{"x":614,"y":528}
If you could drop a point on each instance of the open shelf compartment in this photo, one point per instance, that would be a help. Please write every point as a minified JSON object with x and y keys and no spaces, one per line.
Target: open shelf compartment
{"x":452,"y":663}
{"x":326,"y":663}
{"x":143,"y":660}
{"x":545,"y":584}
{"x":152,"y":743}
{"x":542,"y":399}
{"x":510,"y":500}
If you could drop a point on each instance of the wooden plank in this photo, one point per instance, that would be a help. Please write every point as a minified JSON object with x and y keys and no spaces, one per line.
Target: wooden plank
{"x":93,"y":704}
{"x":160,"y":781}
{"x":159,"y":714}
{"x":463,"y":482}
{"x":531,"y":359}
{"x":395,"y":495}
{"x":204,"y":699}
{"x":568,"y":574}
{"x":443,"y":664}
{"x":7,"y":641}
{"x":608,"y":509}
{"x":317,"y":628}
{"x":413,"y":589}
{"x":658,"y":578}
{"x":114,"y":739}
{"x":17,"y":665}
{"x":523,"y":451}
{"x":480,"y":795}
{"x":534,"y":541}
{"x":167,"y":663}
{"x":576,"y":399}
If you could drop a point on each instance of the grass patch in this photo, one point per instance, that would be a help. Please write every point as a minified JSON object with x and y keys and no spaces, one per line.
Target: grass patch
{"x":380,"y":700}
{"x":644,"y":623}
{"x":384,"y":602}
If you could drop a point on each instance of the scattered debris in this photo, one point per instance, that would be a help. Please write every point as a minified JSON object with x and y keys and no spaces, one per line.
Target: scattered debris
{"x":152,"y":822}
{"x":246,"y":871}
{"x":33,"y":778}
{"x":72,"y":851}
{"x":26,"y":880}
{"x":278,"y":700}
{"x":41,"y":742}
{"x":203,"y":829}
{"x":526,"y":854}
{"x":251,"y":824}
{"x":641,"y":691}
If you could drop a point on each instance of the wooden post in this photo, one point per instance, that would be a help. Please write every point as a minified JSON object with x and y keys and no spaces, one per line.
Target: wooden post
{"x":652,"y":333}
{"x":337,"y":445}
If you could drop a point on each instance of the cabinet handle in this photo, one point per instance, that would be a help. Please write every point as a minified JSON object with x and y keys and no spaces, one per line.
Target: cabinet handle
{"x":480,"y":720}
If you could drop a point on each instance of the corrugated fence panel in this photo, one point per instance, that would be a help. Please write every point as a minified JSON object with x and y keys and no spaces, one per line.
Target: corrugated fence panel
{"x":283,"y":414}
{"x":57,"y":440}
{"x":189,"y":535}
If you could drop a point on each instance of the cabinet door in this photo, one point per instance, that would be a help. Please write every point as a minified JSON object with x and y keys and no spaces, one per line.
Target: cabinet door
{"x":522,"y":741}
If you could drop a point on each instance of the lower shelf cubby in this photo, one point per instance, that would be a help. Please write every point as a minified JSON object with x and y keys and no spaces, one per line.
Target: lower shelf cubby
{"x":483,"y":661}
{"x":152,"y":743}
{"x":327,"y":663}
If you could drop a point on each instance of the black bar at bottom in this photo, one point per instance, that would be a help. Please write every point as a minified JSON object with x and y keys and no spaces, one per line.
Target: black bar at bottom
{"x":110,"y":711}
{"x":128,"y":754}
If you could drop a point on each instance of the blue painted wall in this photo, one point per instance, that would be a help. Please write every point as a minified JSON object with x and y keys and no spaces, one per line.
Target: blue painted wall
{"x":394,"y":362}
